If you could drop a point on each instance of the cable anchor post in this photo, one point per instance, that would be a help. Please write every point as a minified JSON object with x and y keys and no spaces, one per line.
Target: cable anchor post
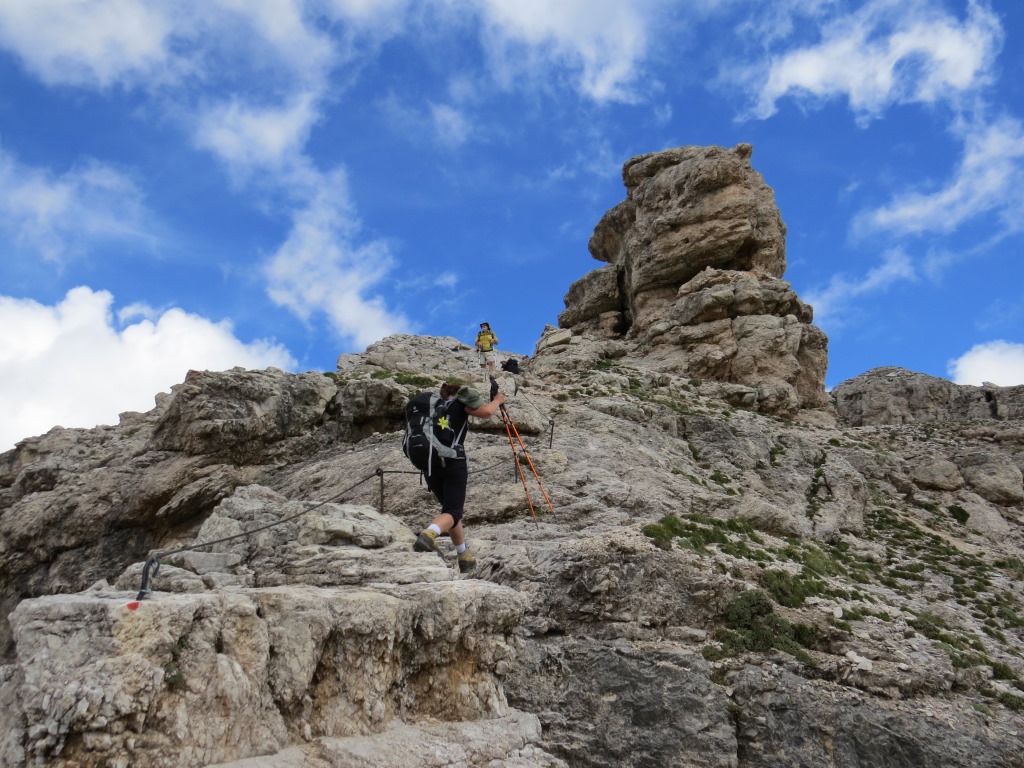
{"x":380,"y":474}
{"x":144,"y":587}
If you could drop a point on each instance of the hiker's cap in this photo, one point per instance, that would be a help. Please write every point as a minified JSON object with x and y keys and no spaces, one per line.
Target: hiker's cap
{"x":471,"y":397}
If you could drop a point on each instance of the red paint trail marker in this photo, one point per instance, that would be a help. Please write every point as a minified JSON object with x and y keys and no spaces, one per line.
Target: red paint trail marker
{"x":133,"y":605}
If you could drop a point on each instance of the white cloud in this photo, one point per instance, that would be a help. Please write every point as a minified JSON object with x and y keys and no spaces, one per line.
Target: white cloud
{"x":769,"y":23}
{"x":886,"y":53}
{"x":990,"y":178}
{"x":447,"y":280}
{"x":137,"y":43}
{"x":450,"y":125}
{"x":320,"y":269}
{"x":86,"y":42}
{"x":382,"y":15}
{"x":436,"y":125}
{"x":71,"y":365}
{"x":61,"y":215}
{"x":248,"y":137}
{"x":602,"y":42}
{"x":831,"y":302}
{"x":1000,"y":362}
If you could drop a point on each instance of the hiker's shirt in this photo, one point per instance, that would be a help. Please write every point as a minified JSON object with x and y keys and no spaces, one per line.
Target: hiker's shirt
{"x":486,"y":340}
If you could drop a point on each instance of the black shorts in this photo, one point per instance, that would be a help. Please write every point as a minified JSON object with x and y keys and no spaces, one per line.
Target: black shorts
{"x":448,"y":484}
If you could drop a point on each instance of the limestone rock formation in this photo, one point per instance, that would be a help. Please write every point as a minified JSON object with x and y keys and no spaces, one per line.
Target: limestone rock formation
{"x":711,"y":585}
{"x":253,"y":651}
{"x":892,"y":395}
{"x":711,"y":580}
{"x":695,"y":255}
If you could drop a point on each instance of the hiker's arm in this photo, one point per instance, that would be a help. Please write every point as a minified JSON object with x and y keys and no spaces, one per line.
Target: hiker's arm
{"x":488,"y":410}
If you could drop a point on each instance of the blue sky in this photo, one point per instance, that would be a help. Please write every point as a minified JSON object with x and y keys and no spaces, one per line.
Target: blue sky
{"x":211,"y":183}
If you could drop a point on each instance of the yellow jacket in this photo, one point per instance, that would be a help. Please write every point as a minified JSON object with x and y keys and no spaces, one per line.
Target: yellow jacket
{"x":485,"y":340}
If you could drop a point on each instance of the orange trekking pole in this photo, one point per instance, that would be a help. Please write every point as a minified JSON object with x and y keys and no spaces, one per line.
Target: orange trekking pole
{"x":510,"y":424}
{"x":510,"y":428}
{"x":519,"y":467}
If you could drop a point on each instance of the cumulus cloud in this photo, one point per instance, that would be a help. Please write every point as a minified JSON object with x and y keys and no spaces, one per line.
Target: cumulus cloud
{"x":989,"y":179}
{"x":59,"y":215}
{"x":831,"y":302}
{"x":321,"y":268}
{"x":87,"y":42}
{"x":384,"y":16}
{"x":248,"y":137}
{"x":885,"y":53}
{"x":601,"y":42}
{"x":999,"y":362}
{"x":73,"y":365}
{"x":141,"y":44}
{"x":598,"y":44}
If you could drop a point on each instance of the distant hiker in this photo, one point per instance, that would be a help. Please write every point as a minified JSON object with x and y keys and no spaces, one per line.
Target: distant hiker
{"x":485,"y":342}
{"x":435,"y":431}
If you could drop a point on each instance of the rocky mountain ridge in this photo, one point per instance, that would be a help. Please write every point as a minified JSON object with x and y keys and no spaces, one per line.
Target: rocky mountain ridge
{"x":740,"y":569}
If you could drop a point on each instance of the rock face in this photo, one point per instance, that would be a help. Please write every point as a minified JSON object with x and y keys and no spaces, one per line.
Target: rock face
{"x":894,"y":395}
{"x":197,"y":676}
{"x":714,"y":588}
{"x":710,"y":585}
{"x":695,"y":255}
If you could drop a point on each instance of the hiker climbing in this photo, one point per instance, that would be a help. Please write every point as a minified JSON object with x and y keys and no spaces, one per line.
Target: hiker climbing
{"x":485,"y":342}
{"x":435,"y":432}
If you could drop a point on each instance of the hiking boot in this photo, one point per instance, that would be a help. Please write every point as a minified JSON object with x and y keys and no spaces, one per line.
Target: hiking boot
{"x":426,"y":542}
{"x":467,"y":561}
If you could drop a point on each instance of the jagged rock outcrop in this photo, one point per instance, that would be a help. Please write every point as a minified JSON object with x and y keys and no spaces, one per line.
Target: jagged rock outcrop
{"x":238,"y":655}
{"x":404,"y":353}
{"x":710,"y":586}
{"x":695,"y":255}
{"x":892,"y":395}
{"x":620,"y":630}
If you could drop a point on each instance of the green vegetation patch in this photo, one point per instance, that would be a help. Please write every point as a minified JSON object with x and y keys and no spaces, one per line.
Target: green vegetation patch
{"x":958,"y":513}
{"x":752,"y":625}
{"x":1014,"y":565}
{"x":1008,"y":700}
{"x":415,"y":379}
{"x":813,"y":559}
{"x":697,"y":531}
{"x":791,"y":590}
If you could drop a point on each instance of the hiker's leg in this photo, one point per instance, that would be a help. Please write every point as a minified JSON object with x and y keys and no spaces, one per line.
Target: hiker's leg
{"x":456,"y":474}
{"x":435,"y":484}
{"x":458,"y":534}
{"x":445,"y":522}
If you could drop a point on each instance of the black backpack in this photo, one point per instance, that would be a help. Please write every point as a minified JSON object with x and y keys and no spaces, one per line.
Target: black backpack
{"x":426,"y":435}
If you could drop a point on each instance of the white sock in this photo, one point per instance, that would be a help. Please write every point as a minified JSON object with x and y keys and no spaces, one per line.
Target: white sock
{"x":434,"y":528}
{"x":461,"y":548}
